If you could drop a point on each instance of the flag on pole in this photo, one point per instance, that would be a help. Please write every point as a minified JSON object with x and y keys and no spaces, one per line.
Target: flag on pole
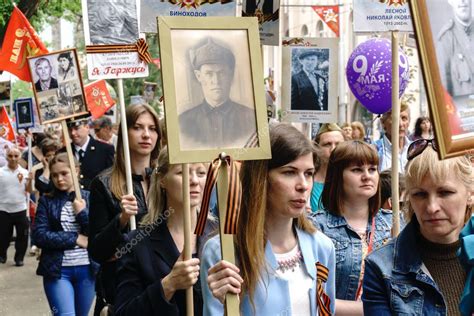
{"x":20,"y":42}
{"x":98,"y":98}
{"x":330,"y":15}
{"x":6,"y":128}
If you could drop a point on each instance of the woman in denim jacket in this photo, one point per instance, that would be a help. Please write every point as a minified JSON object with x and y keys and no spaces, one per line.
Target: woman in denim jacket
{"x":352,"y":217}
{"x":280,"y":254}
{"x":61,"y":232}
{"x":419,"y":272}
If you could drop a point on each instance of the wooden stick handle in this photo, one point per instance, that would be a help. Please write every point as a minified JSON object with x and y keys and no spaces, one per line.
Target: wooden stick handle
{"x":395,"y":135}
{"x":70,"y":156}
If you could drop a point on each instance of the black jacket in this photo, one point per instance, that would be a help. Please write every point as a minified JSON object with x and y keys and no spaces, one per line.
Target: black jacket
{"x":98,"y":157}
{"x":105,"y":233}
{"x":49,"y":235}
{"x":139,"y":290}
{"x":303,"y":95}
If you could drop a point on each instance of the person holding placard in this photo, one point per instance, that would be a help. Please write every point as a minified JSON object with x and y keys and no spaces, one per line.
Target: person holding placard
{"x":111,"y":207}
{"x":351,"y":216}
{"x":285,"y":266}
{"x":60,"y":230}
{"x":153,"y":276}
{"x":419,"y":273}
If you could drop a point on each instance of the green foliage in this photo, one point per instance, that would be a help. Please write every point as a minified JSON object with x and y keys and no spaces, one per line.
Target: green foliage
{"x":6,"y":8}
{"x":22,"y":89}
{"x":51,"y":10}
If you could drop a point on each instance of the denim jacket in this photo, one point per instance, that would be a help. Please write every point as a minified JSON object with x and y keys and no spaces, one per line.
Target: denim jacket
{"x":349,"y":247}
{"x":272,"y":295}
{"x":397,"y":283}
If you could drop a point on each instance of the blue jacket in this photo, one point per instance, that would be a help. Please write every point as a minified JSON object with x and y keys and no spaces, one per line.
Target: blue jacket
{"x":349,"y":247}
{"x":395,"y":281}
{"x":272,"y":296}
{"x":48,"y":234}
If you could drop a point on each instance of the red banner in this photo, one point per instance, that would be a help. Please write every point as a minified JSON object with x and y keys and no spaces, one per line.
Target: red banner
{"x":20,"y":42}
{"x":98,"y":98}
{"x":330,"y":15}
{"x":6,"y":128}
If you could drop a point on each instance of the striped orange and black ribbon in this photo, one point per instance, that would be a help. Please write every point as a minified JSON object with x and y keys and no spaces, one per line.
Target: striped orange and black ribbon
{"x":234,"y":196}
{"x":322,"y":299}
{"x":140,"y":46}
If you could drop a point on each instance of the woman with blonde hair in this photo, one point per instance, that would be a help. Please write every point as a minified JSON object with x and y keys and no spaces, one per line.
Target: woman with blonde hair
{"x":358,"y":131}
{"x":153,"y":276}
{"x":111,"y":207}
{"x":419,"y":272}
{"x":284,"y":264}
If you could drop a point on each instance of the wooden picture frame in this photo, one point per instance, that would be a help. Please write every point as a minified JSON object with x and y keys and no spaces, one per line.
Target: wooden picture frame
{"x":204,"y":119}
{"x":57,"y":86}
{"x":24,"y":113}
{"x":446,"y":74}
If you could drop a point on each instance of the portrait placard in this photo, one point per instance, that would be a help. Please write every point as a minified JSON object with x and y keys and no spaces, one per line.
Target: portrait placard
{"x":149,"y":89}
{"x":24,"y":113}
{"x":57,"y":85}
{"x":111,"y":24}
{"x":447,"y":62}
{"x":213,"y":88}
{"x":382,"y":16}
{"x":150,"y":9}
{"x":5,"y":90}
{"x":309,"y":83}
{"x":267,"y":13}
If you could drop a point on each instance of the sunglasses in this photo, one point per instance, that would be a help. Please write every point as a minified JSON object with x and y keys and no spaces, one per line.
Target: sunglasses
{"x":418,"y":146}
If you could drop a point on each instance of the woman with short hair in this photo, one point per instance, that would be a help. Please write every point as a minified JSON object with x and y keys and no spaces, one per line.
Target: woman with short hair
{"x":352,"y":217}
{"x":419,"y":272}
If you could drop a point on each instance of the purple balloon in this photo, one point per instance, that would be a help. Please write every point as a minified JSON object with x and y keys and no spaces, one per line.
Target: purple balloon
{"x":369,"y":74}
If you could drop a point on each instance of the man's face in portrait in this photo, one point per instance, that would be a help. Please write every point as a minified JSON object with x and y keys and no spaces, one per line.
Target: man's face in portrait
{"x":462,"y":9}
{"x":43,"y":70}
{"x":309,"y":63}
{"x":24,"y":110}
{"x":215,"y":80}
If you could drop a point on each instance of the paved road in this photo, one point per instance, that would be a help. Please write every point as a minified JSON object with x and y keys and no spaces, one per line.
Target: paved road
{"x":21,"y":290}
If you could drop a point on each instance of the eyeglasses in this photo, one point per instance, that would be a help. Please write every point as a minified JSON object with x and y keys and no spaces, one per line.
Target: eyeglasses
{"x":418,"y":146}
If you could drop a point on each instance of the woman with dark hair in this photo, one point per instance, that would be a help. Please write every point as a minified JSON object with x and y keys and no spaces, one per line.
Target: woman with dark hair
{"x":153,"y":276}
{"x":352,"y":217}
{"x":419,"y":273}
{"x":285,"y":266}
{"x":66,"y":67}
{"x":111,"y":207}
{"x":60,"y":230}
{"x":423,"y":129}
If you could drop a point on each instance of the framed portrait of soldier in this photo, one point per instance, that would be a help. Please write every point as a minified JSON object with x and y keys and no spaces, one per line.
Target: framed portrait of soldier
{"x":213,"y":88}
{"x":267,"y":13}
{"x":57,"y":85}
{"x":310,"y":85}
{"x":447,"y":62}
{"x":24,"y":113}
{"x":5,"y":91}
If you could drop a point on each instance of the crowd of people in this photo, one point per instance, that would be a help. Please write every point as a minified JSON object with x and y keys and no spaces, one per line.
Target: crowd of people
{"x":314,"y":231}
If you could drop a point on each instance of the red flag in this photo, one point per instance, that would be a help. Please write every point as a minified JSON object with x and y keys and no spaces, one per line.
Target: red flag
{"x":453,"y":119}
{"x":6,"y":129}
{"x":20,"y":42}
{"x":98,"y":98}
{"x":330,"y":15}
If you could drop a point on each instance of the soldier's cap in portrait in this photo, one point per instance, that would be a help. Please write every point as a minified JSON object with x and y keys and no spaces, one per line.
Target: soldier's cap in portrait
{"x":309,"y":52}
{"x":210,"y":52}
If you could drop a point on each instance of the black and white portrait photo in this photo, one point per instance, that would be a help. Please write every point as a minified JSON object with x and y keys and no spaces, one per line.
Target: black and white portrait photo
{"x":309,"y":78}
{"x":149,"y":89}
{"x":452,"y":25}
{"x":216,"y":106}
{"x":57,"y":81}
{"x":267,"y":13}
{"x":44,"y":73}
{"x":66,"y":68}
{"x":24,"y":113}
{"x":5,"y":89}
{"x":112,"y":21}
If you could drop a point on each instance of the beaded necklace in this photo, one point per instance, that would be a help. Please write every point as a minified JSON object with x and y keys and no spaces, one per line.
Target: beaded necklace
{"x":290,"y":263}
